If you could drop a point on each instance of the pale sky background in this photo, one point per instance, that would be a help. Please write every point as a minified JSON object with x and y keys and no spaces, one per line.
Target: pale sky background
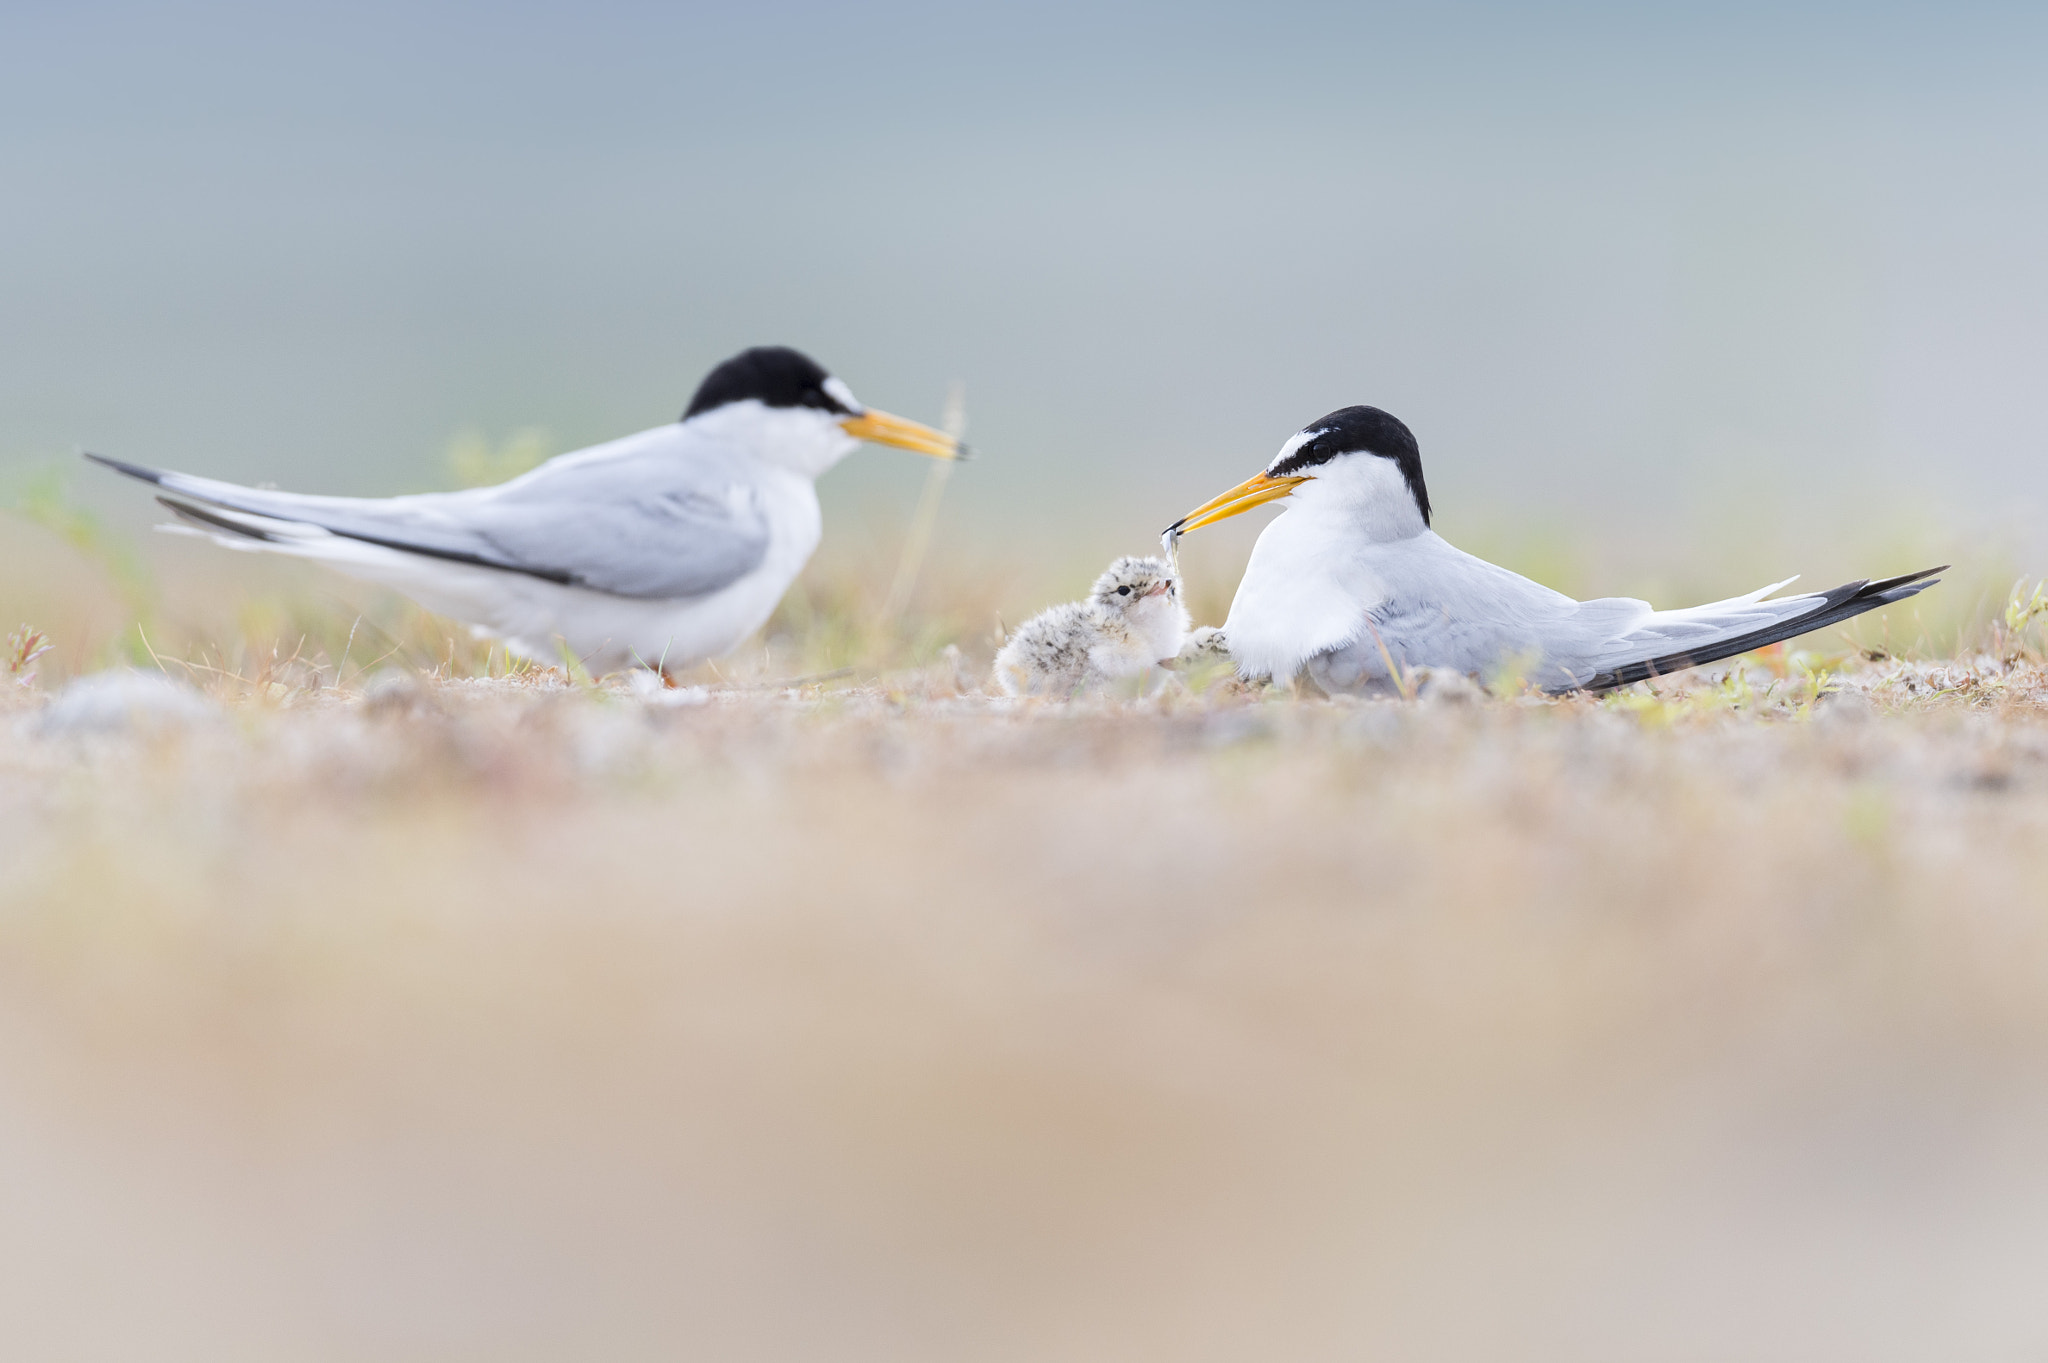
{"x":1627,"y":274}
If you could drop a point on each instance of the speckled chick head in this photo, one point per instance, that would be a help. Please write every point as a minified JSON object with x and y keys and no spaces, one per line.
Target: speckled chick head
{"x":1132,"y":579}
{"x":1144,"y":595}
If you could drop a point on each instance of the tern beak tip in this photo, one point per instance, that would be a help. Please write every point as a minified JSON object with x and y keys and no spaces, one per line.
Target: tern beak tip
{"x":1254,"y":491}
{"x":915,"y":436}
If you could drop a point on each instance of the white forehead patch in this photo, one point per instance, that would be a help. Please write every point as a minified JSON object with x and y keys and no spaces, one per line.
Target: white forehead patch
{"x":836,"y":389}
{"x":1294,"y":442}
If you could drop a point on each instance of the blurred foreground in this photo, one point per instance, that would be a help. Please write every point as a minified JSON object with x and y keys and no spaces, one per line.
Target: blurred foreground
{"x":515,"y":1018}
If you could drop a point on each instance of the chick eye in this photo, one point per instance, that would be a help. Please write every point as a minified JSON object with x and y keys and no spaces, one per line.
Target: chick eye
{"x":1123,"y":591}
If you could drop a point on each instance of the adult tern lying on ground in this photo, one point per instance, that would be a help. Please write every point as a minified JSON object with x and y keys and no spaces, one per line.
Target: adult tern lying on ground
{"x":1351,"y":585}
{"x":661,"y":549}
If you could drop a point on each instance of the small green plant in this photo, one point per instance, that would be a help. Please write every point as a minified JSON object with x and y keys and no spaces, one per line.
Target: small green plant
{"x":572,"y":666}
{"x":2022,"y":613}
{"x":1510,"y":676}
{"x":1644,"y":704}
{"x":1814,"y":676}
{"x":45,"y":499}
{"x":1730,"y":694}
{"x":474,"y":462}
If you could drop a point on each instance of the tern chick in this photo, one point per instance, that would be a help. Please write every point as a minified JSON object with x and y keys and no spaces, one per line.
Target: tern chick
{"x":1131,"y":621}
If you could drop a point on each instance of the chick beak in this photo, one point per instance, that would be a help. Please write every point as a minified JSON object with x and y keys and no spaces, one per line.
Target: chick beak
{"x":1255,"y":491}
{"x":903,"y":433}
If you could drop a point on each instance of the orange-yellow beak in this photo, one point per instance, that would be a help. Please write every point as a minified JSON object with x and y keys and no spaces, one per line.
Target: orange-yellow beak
{"x":903,"y":433}
{"x":1246,"y":495}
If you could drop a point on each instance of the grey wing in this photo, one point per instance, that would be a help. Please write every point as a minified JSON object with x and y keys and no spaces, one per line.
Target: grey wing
{"x":656,"y":525}
{"x":1444,"y":608}
{"x":1598,"y":645}
{"x":1669,"y":641}
{"x":1447,"y":608}
{"x":655,"y":532}
{"x":1407,"y":633}
{"x":1563,"y":644}
{"x":1429,"y":633}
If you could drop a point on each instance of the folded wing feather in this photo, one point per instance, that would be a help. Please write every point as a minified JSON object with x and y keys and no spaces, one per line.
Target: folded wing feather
{"x":639,"y":526}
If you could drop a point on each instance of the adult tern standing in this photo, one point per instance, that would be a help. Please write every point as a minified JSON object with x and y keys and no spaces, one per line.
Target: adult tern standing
{"x":659,"y":549}
{"x":1352,"y":586}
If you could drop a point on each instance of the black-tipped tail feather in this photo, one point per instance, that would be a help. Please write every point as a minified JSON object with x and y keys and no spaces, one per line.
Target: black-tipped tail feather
{"x":226,"y":504}
{"x":1850,"y":599}
{"x":145,"y":473}
{"x":214,"y":524}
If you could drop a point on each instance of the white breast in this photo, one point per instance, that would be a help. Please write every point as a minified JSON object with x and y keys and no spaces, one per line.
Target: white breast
{"x":1305,"y":591}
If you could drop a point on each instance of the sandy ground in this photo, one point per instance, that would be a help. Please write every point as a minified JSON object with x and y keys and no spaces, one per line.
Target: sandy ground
{"x":519,"y":1020}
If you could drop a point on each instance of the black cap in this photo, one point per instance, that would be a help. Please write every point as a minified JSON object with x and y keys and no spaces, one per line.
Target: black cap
{"x":1360,"y":430}
{"x":772,"y":375}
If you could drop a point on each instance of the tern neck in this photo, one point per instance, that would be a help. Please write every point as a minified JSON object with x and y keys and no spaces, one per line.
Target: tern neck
{"x":1158,"y":623}
{"x":803,"y":440}
{"x":1364,"y":495}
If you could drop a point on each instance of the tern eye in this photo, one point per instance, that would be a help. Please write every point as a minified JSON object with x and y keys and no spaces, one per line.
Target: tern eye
{"x":1123,"y":591}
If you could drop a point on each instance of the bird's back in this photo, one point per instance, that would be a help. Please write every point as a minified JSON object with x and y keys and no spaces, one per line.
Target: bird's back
{"x":1048,"y":655}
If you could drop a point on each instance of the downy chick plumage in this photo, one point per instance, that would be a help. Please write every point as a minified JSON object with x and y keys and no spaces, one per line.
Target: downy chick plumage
{"x":1131,"y":621}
